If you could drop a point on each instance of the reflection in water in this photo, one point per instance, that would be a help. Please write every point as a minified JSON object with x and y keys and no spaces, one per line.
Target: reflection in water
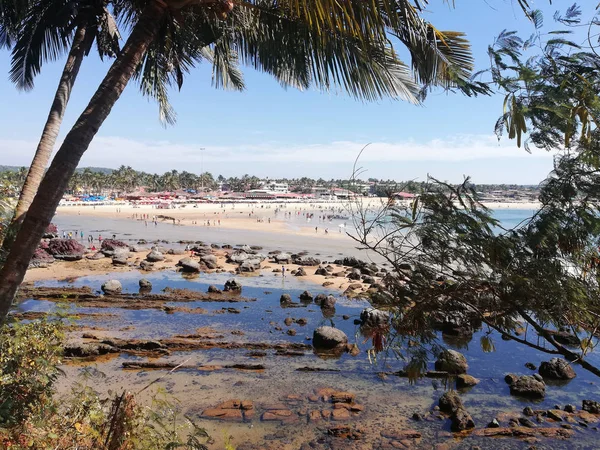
{"x":389,"y":400}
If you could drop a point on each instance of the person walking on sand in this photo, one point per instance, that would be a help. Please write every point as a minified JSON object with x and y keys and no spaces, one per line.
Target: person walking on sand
{"x":283,"y":271}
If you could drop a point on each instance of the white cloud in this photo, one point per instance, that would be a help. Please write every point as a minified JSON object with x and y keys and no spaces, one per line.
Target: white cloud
{"x":159,"y":156}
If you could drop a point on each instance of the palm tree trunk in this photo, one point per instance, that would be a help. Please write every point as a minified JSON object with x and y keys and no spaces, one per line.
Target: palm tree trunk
{"x":49,"y":134}
{"x":74,"y":146}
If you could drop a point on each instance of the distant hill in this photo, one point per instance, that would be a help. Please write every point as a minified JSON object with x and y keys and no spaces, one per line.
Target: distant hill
{"x":9,"y":168}
{"x":104,"y":170}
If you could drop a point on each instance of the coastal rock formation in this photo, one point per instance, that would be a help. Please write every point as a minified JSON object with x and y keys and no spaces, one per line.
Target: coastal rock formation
{"x":145,"y":285}
{"x":147,"y":266}
{"x":112,"y":287}
{"x":155,"y":256}
{"x":51,"y":232}
{"x":321,"y":271}
{"x":557,"y":369}
{"x":591,"y":406}
{"x":232,"y":285}
{"x":328,"y":303}
{"x":212,"y":289}
{"x":110,"y":246}
{"x":328,"y":338}
{"x":372,"y":317}
{"x":320,"y":298}
{"x":285,"y":299}
{"x":464,"y":381}
{"x":452,"y":362}
{"x":283,"y":258}
{"x":452,"y":404}
{"x":41,"y":258}
{"x":300,"y":272}
{"x":66,"y":249}
{"x":305,"y":260}
{"x":306,"y":297}
{"x":210,"y":261}
{"x":189,"y":265}
{"x":526,"y":386}
{"x":355,"y":274}
{"x":237,"y":257}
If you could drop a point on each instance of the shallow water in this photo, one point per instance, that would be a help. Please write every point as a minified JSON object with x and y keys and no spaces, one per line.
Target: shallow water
{"x":389,"y":402}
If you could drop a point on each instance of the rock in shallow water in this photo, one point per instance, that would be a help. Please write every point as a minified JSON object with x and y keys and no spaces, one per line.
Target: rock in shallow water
{"x":112,"y":287}
{"x":452,"y":362}
{"x":557,"y":369}
{"x":328,"y":338}
{"x":528,"y":386}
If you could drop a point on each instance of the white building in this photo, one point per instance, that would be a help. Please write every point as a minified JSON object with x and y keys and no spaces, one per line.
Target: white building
{"x":278,"y":188}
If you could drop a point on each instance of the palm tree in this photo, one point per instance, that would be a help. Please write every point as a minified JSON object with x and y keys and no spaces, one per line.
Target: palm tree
{"x":44,"y":30}
{"x":329,"y":44}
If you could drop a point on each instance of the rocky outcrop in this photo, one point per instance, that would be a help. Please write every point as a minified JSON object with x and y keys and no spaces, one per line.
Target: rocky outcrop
{"x":210,"y":261}
{"x":145,"y":285}
{"x":282,"y":258}
{"x":155,"y":256}
{"x":189,"y":265}
{"x":66,"y":249}
{"x":300,"y":272}
{"x":452,"y":362}
{"x":285,"y":299}
{"x":354,"y":275}
{"x":557,"y":369}
{"x":451,"y":403}
{"x":306,"y":297}
{"x":212,"y":289}
{"x":321,"y":271}
{"x":51,"y":232}
{"x":41,"y":258}
{"x":232,"y":285}
{"x":110,"y":246}
{"x":305,"y":260}
{"x":329,"y":338}
{"x":372,"y":317}
{"x":591,"y":406}
{"x":526,"y":386}
{"x":465,"y":381}
{"x":112,"y":287}
{"x":237,"y":257}
{"x":249,"y":265}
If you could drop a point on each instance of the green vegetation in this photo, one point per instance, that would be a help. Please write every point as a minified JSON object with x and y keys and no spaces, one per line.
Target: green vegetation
{"x":539,"y":283}
{"x":32,"y":417}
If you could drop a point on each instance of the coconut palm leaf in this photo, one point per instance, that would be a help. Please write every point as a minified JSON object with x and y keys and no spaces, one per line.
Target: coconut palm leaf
{"x":43,"y":36}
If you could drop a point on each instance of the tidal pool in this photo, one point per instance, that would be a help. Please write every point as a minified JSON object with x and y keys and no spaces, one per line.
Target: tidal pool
{"x":389,"y":401}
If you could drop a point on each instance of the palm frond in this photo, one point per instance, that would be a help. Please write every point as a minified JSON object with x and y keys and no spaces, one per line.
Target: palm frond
{"x":43,"y":36}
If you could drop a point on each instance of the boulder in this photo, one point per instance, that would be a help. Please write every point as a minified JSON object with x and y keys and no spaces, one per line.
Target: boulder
{"x":176,"y":251}
{"x":285,"y":299}
{"x":41,"y":258}
{"x":368,"y":279}
{"x":145,"y":285}
{"x":250,"y":265}
{"x":306,"y":297}
{"x":450,"y":402}
{"x":147,"y":266}
{"x":306,"y":261}
{"x":355,"y":274}
{"x":452,"y":362}
{"x":528,"y":386}
{"x":135,"y":248}
{"x":464,"y":381}
{"x":328,"y":338}
{"x":66,"y":249}
{"x":461,"y":420}
{"x":96,"y":256}
{"x":212,"y":289}
{"x":232,"y":285}
{"x":300,"y":272}
{"x":189,"y":265}
{"x":283,"y":258}
{"x":328,"y":303}
{"x":321,"y":271}
{"x":238,"y":257}
{"x":210,"y":261}
{"x":119,"y":260}
{"x":320,"y":298}
{"x":109,"y":246}
{"x":372,"y":317}
{"x":591,"y":406}
{"x":51,"y":232}
{"x":112,"y":287}
{"x":557,"y":369}
{"x":155,"y":256}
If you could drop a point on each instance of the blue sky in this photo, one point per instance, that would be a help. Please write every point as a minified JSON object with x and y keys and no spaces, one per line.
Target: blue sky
{"x":269,"y":131}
